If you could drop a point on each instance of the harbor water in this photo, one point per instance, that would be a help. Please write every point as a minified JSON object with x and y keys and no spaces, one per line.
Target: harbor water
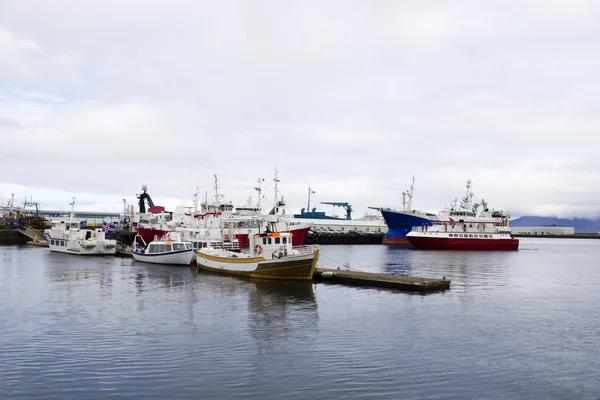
{"x":514,"y":325}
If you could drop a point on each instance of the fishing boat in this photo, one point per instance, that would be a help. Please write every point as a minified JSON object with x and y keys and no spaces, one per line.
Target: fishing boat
{"x":271,"y":256}
{"x":168,"y":249}
{"x":66,"y":235}
{"x":462,"y":228}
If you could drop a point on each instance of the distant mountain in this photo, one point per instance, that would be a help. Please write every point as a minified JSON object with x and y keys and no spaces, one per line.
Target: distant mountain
{"x":581,"y":225}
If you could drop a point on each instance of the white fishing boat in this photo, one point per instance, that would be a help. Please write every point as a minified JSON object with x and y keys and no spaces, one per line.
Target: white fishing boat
{"x":271,"y":256}
{"x":67,"y":236}
{"x":168,"y":249}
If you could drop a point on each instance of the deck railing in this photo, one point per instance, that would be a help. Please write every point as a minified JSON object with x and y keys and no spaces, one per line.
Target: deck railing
{"x":306,"y":249}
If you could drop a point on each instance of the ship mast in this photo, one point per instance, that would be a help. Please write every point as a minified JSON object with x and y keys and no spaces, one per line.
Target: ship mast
{"x":309,"y":192}
{"x":466,"y":201}
{"x":276,"y":180}
{"x":410,"y":194}
{"x":259,"y":192}
{"x":195,"y":201}
{"x":216,"y":190}
{"x":72,"y":204}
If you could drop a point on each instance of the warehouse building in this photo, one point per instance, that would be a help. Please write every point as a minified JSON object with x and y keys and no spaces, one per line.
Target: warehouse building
{"x":543,"y":230}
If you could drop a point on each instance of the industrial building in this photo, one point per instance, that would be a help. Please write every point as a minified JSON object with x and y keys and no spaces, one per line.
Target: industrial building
{"x":542,"y":230}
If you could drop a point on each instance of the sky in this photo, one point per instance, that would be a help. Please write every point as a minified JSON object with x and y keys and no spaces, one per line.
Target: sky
{"x":350,"y":98}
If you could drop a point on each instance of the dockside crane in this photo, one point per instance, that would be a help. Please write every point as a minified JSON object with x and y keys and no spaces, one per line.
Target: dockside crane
{"x":345,"y":205}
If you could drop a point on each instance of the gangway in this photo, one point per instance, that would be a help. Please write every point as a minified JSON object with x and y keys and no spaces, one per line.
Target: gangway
{"x":33,"y":234}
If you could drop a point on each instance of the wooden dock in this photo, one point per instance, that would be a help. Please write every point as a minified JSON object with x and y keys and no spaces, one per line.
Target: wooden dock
{"x":357,"y":278}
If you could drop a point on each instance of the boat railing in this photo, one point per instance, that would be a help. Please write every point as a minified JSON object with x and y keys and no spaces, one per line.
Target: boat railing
{"x":306,"y":249}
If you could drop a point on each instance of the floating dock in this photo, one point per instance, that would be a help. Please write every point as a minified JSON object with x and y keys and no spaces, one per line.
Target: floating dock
{"x":357,"y":278}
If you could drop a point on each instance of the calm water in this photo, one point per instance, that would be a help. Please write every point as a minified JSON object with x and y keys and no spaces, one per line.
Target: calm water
{"x":520,"y":325}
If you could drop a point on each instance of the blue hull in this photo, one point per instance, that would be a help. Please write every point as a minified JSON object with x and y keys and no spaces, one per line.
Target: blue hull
{"x":399,"y":223}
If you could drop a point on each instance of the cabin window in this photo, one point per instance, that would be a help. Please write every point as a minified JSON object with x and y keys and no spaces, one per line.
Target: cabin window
{"x":168,"y":247}
{"x":264,"y":240}
{"x":460,"y":235}
{"x":452,"y":235}
{"x":277,"y":240}
{"x":485,"y":236}
{"x":178,"y":246}
{"x":195,"y":245}
{"x":470,"y":235}
{"x":52,"y":242}
{"x":161,"y":248}
{"x":204,"y":244}
{"x":284,"y":240}
{"x":270,"y":241}
{"x":151,"y":249}
{"x":63,"y":243}
{"x":188,"y":246}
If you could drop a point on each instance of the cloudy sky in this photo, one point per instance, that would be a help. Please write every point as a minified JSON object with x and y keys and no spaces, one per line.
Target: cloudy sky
{"x":351,"y":98}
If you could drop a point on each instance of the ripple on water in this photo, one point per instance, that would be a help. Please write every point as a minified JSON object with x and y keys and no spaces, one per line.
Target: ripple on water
{"x":514,"y":325}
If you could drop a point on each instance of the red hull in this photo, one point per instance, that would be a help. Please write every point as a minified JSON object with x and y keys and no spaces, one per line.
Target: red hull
{"x":148,"y":234}
{"x":298,"y":237}
{"x":437,"y":243}
{"x":395,"y":241}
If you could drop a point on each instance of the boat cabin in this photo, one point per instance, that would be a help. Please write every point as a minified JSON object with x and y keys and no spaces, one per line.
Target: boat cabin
{"x":167,"y":247}
{"x":268,"y":244}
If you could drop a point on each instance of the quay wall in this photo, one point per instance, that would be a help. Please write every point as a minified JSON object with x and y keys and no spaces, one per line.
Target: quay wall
{"x":343,"y":238}
{"x":9,"y":236}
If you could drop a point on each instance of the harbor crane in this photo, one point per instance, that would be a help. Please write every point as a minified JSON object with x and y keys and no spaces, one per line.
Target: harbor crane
{"x":346,"y":206}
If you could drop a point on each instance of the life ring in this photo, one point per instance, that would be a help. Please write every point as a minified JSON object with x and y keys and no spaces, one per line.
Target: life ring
{"x":258,"y":249}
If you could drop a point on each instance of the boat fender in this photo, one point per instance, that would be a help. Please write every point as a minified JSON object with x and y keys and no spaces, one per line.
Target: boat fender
{"x":327,"y":275}
{"x":258,"y":249}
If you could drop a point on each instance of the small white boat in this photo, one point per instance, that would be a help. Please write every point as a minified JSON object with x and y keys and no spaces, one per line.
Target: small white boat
{"x":169,"y":249}
{"x":271,"y":257}
{"x":67,"y":236}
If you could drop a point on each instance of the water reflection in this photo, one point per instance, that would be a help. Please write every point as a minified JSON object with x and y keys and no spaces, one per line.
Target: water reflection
{"x":272,"y":305}
{"x":470,"y":268}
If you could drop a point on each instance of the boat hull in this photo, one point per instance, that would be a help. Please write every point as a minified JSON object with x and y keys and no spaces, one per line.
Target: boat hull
{"x":445,"y":243}
{"x":296,"y":268}
{"x":184,"y":257}
{"x":82,"y":247}
{"x":400,"y":224}
{"x":149,"y":234}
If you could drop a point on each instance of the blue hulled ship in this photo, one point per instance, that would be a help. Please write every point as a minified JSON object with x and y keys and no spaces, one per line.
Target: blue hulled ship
{"x":401,"y":222}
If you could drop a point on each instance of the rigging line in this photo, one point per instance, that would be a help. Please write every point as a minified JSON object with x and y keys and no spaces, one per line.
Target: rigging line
{"x":331,"y":259}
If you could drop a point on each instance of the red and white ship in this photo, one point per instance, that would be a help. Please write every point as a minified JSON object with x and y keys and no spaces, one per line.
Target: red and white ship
{"x":462,"y":228}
